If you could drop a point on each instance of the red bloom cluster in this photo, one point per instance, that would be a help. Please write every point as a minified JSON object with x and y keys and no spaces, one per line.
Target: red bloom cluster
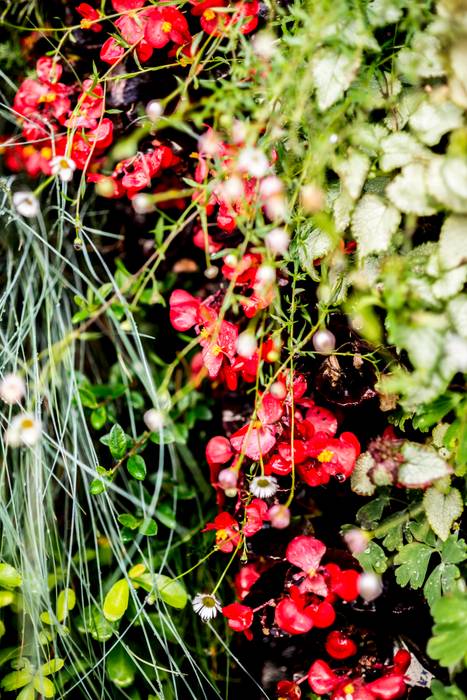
{"x":43,"y":106}
{"x":217,"y":17}
{"x":136,"y":173}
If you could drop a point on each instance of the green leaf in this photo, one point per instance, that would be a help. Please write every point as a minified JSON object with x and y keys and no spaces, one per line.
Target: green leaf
{"x":129,"y":521}
{"x":422,"y":466}
{"x":449,"y":642}
{"x":52,"y":666}
{"x":99,"y":417}
{"x":96,"y":487}
{"x":148,"y":528}
{"x":120,"y":667}
{"x":454,"y":551}
{"x":373,"y":224}
{"x":408,"y":191}
{"x":66,"y":601}
{"x":172,"y":592}
{"x":15,"y":680}
{"x":94,"y":623}
{"x":87,"y":397}
{"x":9,"y":577}
{"x":373,"y":559}
{"x":136,"y":466}
{"x":453,"y":242}
{"x":28,"y":693}
{"x":442,"y":510}
{"x":117,"y":442}
{"x":431,"y":120}
{"x":432,"y":587}
{"x":412,"y":563}
{"x":44,"y":686}
{"x":116,"y":601}
{"x":442,"y":692}
{"x":370,"y":514}
{"x":166,"y":516}
{"x":332,"y":74}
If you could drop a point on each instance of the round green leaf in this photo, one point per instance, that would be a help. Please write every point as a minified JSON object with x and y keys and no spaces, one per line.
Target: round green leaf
{"x":172,"y":592}
{"x":136,"y":467}
{"x":116,"y":601}
{"x":9,"y":577}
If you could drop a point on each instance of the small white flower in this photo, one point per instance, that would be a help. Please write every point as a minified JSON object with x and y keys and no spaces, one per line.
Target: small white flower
{"x":263,"y":486}
{"x":253,"y":161}
{"x":278,"y":241}
{"x":239,"y":132}
{"x":154,"y":110}
{"x":333,"y":138}
{"x":370,"y":586}
{"x":154,"y":420}
{"x":206,"y":606}
{"x":209,"y":143}
{"x":246,"y":344}
{"x":265,"y":275}
{"x":264,"y":45}
{"x":63,"y":167}
{"x":232,"y":189}
{"x":26,"y":204}
{"x":271,"y":186}
{"x":142,"y":203}
{"x":24,"y":429}
{"x":12,"y":389}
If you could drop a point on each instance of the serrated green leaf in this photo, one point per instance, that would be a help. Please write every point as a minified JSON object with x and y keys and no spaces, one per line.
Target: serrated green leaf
{"x":454,"y":551}
{"x":370,"y":514}
{"x":422,"y":466}
{"x":116,"y":601}
{"x":373,"y":224}
{"x":412,"y":563}
{"x":448,"y":644}
{"x":373,"y":559}
{"x":332,"y":73}
{"x":442,"y":510}
{"x":136,"y":466}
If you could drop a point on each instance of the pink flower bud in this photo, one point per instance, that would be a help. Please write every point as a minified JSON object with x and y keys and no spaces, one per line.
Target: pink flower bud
{"x":227,"y":479}
{"x":356,"y":540}
{"x":279,"y":516}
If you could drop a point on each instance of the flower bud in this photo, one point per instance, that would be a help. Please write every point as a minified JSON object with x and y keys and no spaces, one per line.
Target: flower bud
{"x":312,"y":198}
{"x":278,"y":241}
{"x":12,"y":389}
{"x":356,"y":540}
{"x":370,"y":586}
{"x":278,"y":390}
{"x":154,"y":420}
{"x":246,"y":344}
{"x":324,"y":341}
{"x":142,"y":203}
{"x":26,"y":204}
{"x":154,"y":110}
{"x":279,"y":516}
{"x":227,"y":479}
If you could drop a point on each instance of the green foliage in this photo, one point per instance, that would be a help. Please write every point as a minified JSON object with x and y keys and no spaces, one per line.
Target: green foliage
{"x":448,"y":644}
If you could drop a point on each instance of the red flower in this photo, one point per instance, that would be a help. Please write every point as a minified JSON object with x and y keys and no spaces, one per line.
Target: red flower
{"x":89,"y":108}
{"x":89,"y":15}
{"x":218,"y":450}
{"x":343,"y":583}
{"x":388,"y":687}
{"x":336,"y":455}
{"x":240,"y":617}
{"x":288,"y":690}
{"x":322,"y":420}
{"x":125,"y":5}
{"x":256,"y":513}
{"x":166,"y":24}
{"x":306,"y":553}
{"x":111,"y":51}
{"x":322,"y":678}
{"x":292,"y":613}
{"x":216,"y":21}
{"x":184,"y":310}
{"x":258,"y":438}
{"x":245,"y":579}
{"x":218,"y":342}
{"x":339,"y":645}
{"x":227,"y":531}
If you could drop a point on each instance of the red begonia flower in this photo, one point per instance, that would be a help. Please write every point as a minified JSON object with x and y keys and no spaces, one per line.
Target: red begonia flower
{"x":166,"y":24}
{"x":306,"y":553}
{"x":292,"y":615}
{"x":321,"y":678}
{"x":89,"y":108}
{"x":89,"y":15}
{"x":322,"y":420}
{"x":288,"y":690}
{"x":245,"y":579}
{"x":339,"y":645}
{"x":227,"y":531}
{"x":256,"y":513}
{"x":184,"y":310}
{"x":111,"y":51}
{"x":239,"y":617}
{"x":48,"y":70}
{"x":336,"y":455}
{"x":218,"y":342}
{"x":388,"y":687}
{"x":125,"y":5}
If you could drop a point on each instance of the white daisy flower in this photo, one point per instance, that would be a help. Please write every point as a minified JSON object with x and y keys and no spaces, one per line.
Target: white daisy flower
{"x":63,"y":167}
{"x":26,"y":204}
{"x":24,"y":429}
{"x":263,"y":486}
{"x":12,"y":389}
{"x":253,"y":161}
{"x":206,"y":606}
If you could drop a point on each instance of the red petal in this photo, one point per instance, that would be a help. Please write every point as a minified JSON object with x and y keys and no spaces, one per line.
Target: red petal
{"x":339,"y":645}
{"x":124,"y":5}
{"x":346,"y":585}
{"x":270,"y":410}
{"x":253,"y":442}
{"x":240,"y":616}
{"x":322,"y":420}
{"x":305,"y":552}
{"x":388,"y":687}
{"x":218,"y":450}
{"x":183,"y":310}
{"x":322,"y":678}
{"x":325,"y":615}
{"x":111,"y":52}
{"x":290,"y":619}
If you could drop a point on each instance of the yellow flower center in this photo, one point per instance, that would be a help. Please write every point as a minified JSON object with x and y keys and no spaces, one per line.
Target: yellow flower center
{"x":204,"y":333}
{"x":85,"y":23}
{"x":216,"y":350}
{"x":221,"y":535}
{"x":209,"y":15}
{"x":166,"y":27}
{"x":48,"y":97}
{"x":27,"y":423}
{"x":29,"y":151}
{"x":325,"y":456}
{"x":349,"y":689}
{"x":46,"y":152}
